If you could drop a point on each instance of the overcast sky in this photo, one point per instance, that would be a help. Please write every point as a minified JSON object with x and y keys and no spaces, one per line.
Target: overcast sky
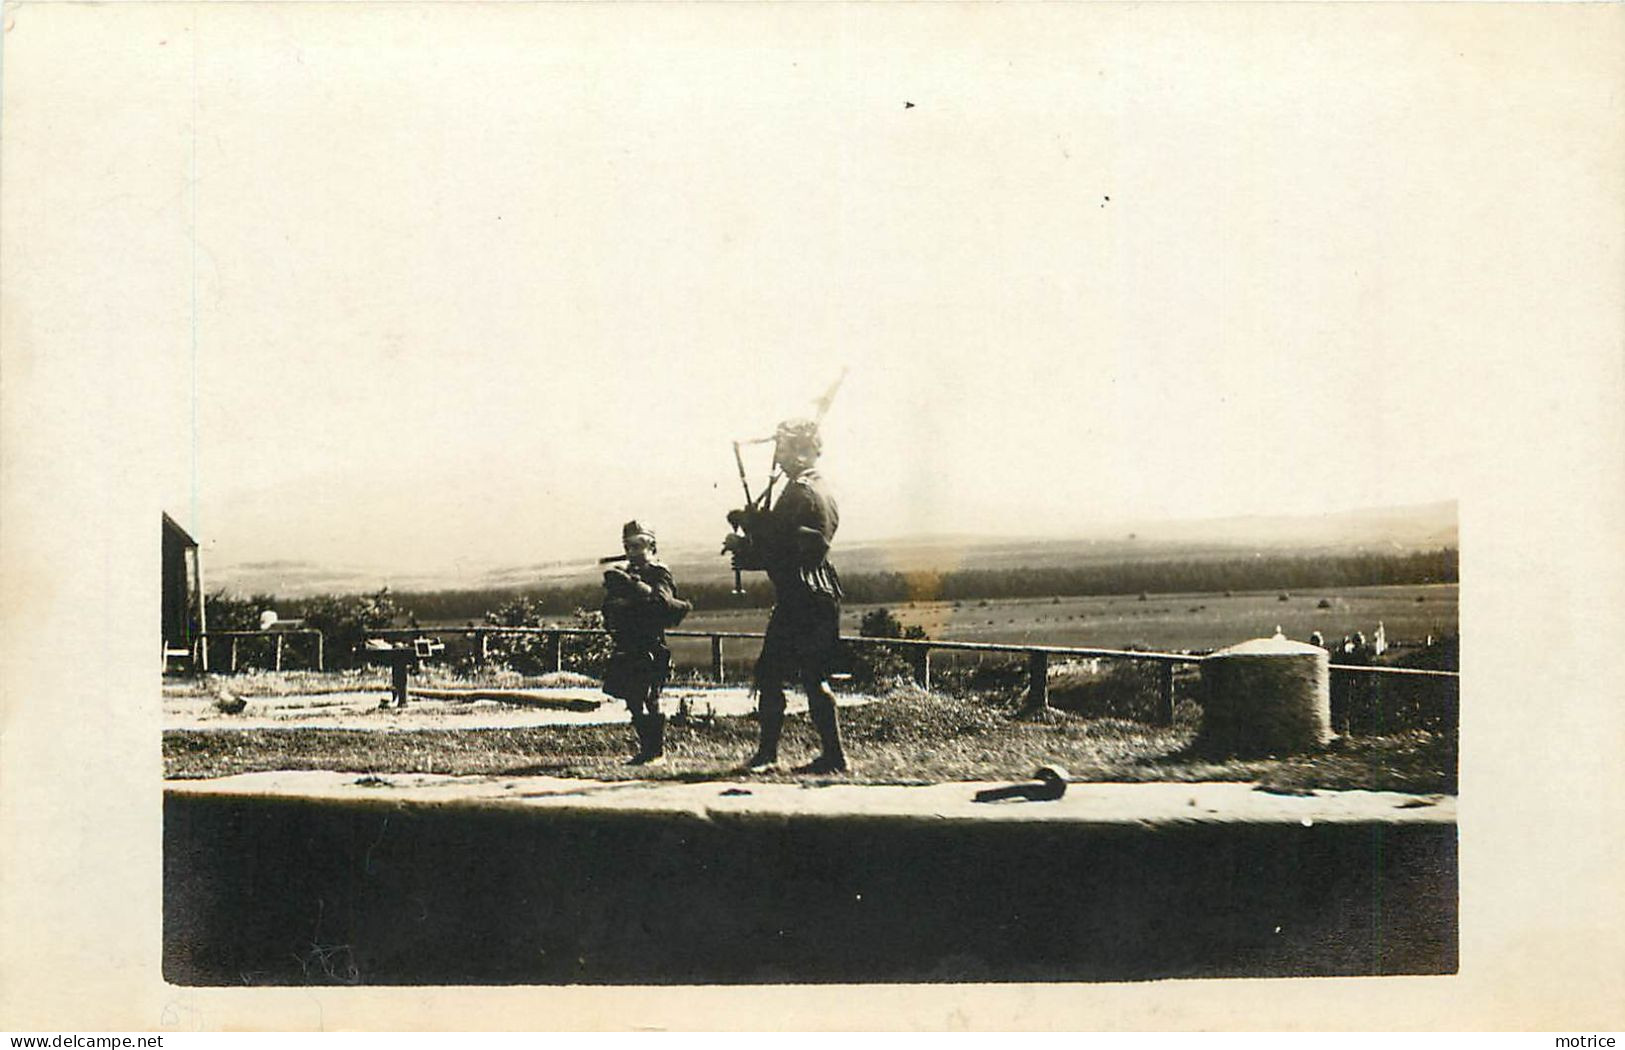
{"x":474,"y":288}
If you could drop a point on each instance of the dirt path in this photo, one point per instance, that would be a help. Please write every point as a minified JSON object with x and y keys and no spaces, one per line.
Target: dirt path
{"x":360,"y":710}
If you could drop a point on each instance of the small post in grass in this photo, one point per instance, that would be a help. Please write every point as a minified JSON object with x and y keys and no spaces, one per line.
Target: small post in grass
{"x":1037,"y":684}
{"x":716,"y":659}
{"x":921,"y":659}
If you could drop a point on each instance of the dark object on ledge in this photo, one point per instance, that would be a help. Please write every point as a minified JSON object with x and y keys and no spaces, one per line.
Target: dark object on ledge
{"x":1049,"y":784}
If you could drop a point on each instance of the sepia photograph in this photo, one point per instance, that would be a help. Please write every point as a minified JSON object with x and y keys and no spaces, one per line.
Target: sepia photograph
{"x":839,"y":358}
{"x":869,"y":496}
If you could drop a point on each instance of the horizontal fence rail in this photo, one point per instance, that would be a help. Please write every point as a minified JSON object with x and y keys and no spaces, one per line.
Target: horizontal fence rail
{"x":1414,"y":672}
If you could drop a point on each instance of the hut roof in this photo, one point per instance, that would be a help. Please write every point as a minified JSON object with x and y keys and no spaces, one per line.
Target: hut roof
{"x":177,"y":532}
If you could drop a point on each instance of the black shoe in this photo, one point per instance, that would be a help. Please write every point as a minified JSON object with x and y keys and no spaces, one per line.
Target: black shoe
{"x":766,"y":758}
{"x":640,"y":726}
{"x":651,"y":741}
{"x":654,"y":747}
{"x":824,"y":764}
{"x":831,"y":755}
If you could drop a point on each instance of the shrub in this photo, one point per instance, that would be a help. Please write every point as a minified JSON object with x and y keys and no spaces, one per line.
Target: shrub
{"x":1426,"y":703}
{"x":1000,"y":681}
{"x":878,"y":666}
{"x":587,"y":654}
{"x":1129,"y":689}
{"x":532,"y":654}
{"x":227,"y":612}
{"x":345,"y":623}
{"x":524,"y":653}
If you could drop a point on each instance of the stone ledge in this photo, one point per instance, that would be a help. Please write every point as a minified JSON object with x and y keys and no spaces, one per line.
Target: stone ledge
{"x":316,"y":878}
{"x":1088,"y":804}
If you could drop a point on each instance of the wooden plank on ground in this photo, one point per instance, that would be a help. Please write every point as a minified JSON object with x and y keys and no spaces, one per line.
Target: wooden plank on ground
{"x":511,"y":696}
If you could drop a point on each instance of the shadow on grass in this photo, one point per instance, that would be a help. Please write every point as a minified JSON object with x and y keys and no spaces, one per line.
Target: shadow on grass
{"x":542,"y":769}
{"x":1414,"y":761}
{"x":623,"y":775}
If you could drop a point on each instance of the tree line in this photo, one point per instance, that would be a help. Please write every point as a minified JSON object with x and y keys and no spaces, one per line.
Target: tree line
{"x":345,"y":620}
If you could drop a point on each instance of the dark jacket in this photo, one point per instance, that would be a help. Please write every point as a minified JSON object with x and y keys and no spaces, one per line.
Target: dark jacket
{"x":792,"y":540}
{"x":638,"y":621}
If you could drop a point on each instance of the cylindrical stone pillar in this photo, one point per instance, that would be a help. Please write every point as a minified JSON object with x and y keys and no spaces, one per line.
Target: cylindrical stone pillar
{"x":1269,"y":696}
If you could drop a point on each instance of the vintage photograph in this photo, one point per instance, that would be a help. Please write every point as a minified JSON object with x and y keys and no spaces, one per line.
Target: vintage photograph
{"x":668,"y":513}
{"x":873,"y":496}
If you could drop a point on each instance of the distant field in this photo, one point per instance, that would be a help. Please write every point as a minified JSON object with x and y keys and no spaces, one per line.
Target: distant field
{"x":1162,"y":621}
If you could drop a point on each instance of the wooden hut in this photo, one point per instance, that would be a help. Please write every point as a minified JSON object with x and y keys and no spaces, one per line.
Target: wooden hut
{"x":182,"y":600}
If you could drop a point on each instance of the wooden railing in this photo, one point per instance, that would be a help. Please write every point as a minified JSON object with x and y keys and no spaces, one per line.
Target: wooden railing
{"x":201,"y":642}
{"x":920,"y":649}
{"x":919,"y":652}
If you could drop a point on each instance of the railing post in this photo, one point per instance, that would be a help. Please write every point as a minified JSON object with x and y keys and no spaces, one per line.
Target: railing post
{"x":398,"y":667}
{"x":234,"y":654}
{"x":320,"y":646}
{"x":557,"y":637}
{"x":1165,"y":703}
{"x":481,"y":653}
{"x":921,"y":659}
{"x":717,"y":673}
{"x":1037,"y":681}
{"x":279,"y":651}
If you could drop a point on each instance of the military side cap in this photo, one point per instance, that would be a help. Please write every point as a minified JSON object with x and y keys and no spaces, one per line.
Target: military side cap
{"x":635,"y":528}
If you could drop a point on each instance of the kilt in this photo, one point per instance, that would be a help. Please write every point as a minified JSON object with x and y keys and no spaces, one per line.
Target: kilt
{"x":803,"y":639}
{"x":637,"y":674}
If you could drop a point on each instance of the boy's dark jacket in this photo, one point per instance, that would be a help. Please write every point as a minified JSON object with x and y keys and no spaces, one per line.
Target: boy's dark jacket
{"x":633,"y":618}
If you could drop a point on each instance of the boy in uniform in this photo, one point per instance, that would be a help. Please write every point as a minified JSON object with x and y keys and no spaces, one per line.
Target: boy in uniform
{"x":640,"y":602}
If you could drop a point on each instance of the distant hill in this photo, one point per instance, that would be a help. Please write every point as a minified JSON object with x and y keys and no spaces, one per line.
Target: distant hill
{"x":1391,"y":529}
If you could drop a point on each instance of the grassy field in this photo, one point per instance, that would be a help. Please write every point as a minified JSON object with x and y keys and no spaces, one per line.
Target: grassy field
{"x":906,"y":738}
